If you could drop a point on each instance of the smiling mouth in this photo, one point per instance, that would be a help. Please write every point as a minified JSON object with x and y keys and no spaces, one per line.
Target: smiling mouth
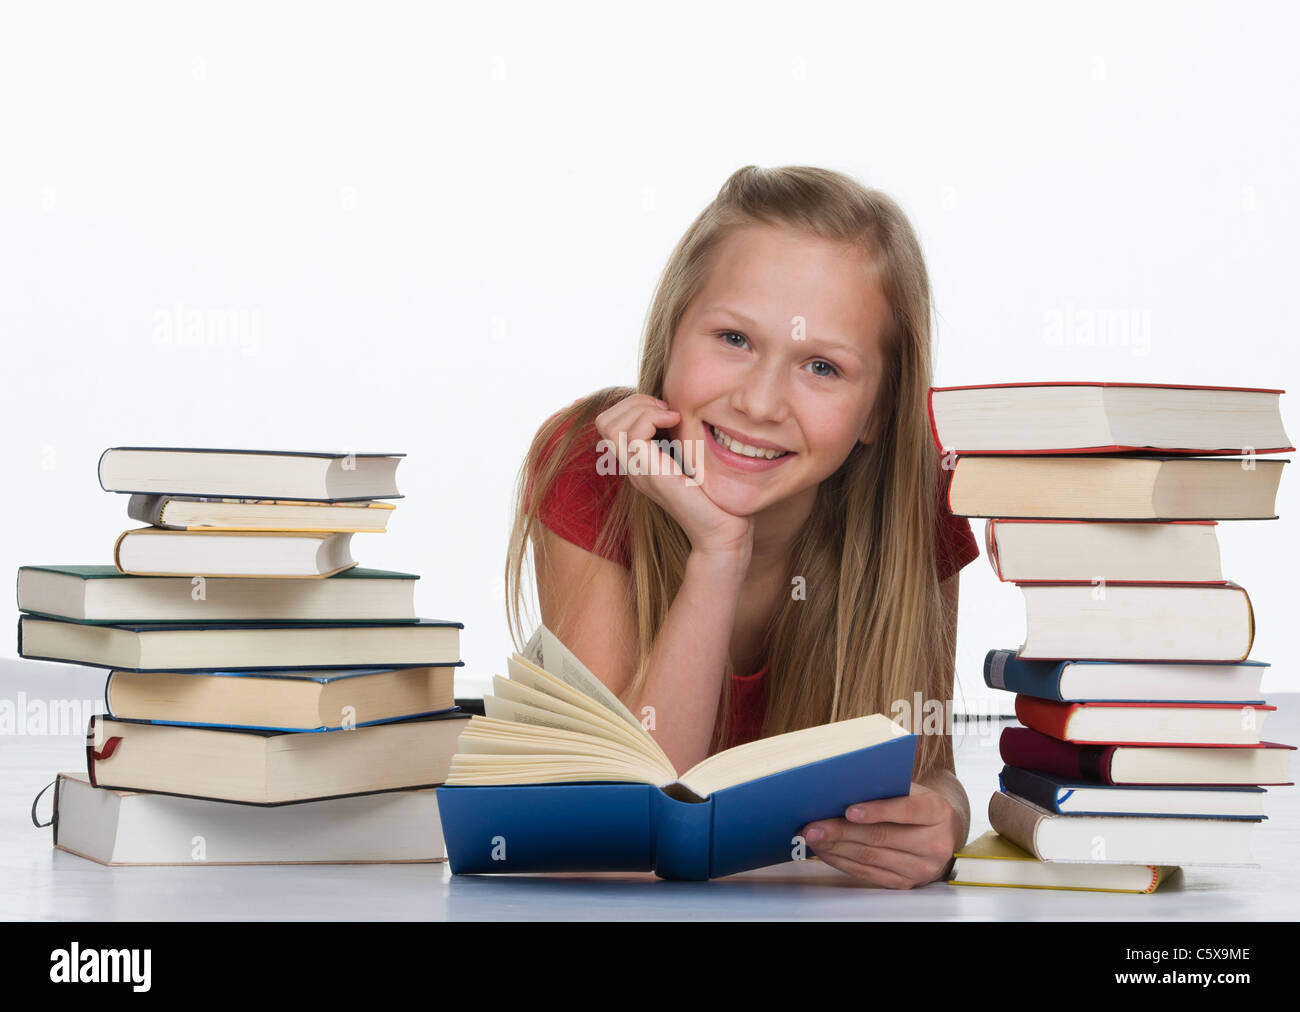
{"x":743,"y":449}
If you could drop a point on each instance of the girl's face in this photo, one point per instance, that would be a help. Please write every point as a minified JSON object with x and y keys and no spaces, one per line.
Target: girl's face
{"x":781,"y":348}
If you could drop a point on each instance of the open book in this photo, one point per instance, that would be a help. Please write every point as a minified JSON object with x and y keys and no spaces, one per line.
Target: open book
{"x":560,"y":776}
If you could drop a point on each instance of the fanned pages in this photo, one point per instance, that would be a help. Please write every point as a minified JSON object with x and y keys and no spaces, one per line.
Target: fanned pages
{"x":565,"y":726}
{"x":517,"y":702}
{"x":562,"y":662}
{"x":528,"y":675}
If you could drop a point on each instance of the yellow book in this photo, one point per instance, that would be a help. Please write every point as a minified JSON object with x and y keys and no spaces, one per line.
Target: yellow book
{"x":194,"y":513}
{"x":993,"y":860}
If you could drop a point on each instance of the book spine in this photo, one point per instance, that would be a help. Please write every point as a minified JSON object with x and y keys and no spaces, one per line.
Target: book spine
{"x":117,"y":549}
{"x":1250,"y":622}
{"x":991,"y":546}
{"x":147,"y":509}
{"x":90,"y":749}
{"x":681,"y":832}
{"x":1046,"y":716}
{"x":54,"y":815}
{"x":1041,"y":679}
{"x":934,"y":428}
{"x":1029,"y":749}
{"x":995,"y":668}
{"x":105,"y":750}
{"x":947,"y":498}
{"x":1028,"y":785}
{"x":1016,"y":822}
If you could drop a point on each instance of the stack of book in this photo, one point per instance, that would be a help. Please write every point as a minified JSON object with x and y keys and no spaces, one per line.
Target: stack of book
{"x":269,"y":700}
{"x":1141,"y":748}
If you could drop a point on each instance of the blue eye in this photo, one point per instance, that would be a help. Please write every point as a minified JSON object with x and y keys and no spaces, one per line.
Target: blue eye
{"x":724,"y":334}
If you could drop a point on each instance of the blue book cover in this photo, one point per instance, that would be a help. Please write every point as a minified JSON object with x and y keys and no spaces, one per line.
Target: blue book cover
{"x":270,"y":729}
{"x":1042,"y":679}
{"x":640,"y":827}
{"x":1054,"y":793}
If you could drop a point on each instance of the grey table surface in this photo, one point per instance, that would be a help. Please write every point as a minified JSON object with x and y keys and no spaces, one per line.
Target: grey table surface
{"x":38,"y":882}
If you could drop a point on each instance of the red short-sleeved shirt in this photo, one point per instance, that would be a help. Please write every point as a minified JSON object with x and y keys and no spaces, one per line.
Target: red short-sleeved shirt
{"x":578,"y":502}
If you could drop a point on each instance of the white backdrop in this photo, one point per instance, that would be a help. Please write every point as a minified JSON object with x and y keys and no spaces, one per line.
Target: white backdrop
{"x":426,"y":227}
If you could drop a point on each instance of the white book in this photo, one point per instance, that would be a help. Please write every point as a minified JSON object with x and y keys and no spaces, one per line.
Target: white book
{"x":1073,"y":550}
{"x":128,"y":828}
{"x":1121,"y":839}
{"x":1137,"y":622}
{"x":153,"y":551}
{"x":249,"y":474}
{"x":1066,"y":416}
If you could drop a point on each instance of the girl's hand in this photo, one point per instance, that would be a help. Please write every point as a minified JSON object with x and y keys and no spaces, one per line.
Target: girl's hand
{"x":709,"y":528}
{"x":894,"y":842}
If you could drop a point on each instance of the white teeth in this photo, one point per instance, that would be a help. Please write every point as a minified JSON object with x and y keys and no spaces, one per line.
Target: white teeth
{"x":744,"y":449}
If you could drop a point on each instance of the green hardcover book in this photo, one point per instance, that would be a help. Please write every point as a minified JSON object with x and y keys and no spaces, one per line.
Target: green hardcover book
{"x":103,"y":595}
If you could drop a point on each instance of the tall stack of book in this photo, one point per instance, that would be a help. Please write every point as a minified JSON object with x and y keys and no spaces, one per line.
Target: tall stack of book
{"x":269,"y":700}
{"x":1141,"y":748}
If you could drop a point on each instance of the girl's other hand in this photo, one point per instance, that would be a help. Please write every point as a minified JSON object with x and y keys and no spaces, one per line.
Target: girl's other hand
{"x":710,"y":528}
{"x":894,"y":842}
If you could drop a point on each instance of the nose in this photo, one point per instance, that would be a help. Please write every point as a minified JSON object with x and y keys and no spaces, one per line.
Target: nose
{"x":761,"y":394}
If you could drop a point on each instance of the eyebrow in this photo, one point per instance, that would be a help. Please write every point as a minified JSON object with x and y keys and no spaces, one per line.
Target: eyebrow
{"x":824,"y":342}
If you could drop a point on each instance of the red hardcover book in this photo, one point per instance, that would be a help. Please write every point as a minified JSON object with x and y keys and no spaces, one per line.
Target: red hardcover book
{"x":1092,"y":411}
{"x":1140,"y":723}
{"x":1262,"y":765}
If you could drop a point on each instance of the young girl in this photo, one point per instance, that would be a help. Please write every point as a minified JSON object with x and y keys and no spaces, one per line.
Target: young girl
{"x":797,"y":565}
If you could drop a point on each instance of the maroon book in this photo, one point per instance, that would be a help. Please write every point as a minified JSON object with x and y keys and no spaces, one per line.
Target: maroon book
{"x":1259,"y":765}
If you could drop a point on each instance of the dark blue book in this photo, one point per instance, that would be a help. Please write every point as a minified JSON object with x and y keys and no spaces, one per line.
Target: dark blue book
{"x":668,"y":830}
{"x":1066,"y":796}
{"x":241,"y":646}
{"x":558,"y":775}
{"x":1119,"y":681}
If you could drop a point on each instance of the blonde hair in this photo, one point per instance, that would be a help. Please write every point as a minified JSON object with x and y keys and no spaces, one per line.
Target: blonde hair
{"x":871,"y":631}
